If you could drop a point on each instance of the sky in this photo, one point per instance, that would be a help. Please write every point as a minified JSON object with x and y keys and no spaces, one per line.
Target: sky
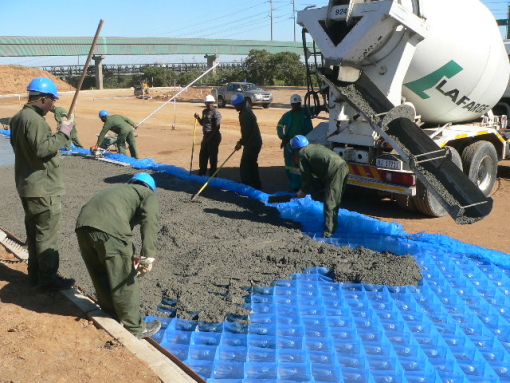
{"x":222,"y":19}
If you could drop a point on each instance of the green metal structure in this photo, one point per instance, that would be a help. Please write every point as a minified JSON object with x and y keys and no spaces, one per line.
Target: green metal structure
{"x":80,"y":46}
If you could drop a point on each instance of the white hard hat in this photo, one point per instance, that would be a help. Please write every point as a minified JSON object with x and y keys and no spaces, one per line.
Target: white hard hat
{"x":295,"y":98}
{"x":209,"y":98}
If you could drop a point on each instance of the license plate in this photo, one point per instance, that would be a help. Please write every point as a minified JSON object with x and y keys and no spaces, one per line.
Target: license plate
{"x":388,"y":164}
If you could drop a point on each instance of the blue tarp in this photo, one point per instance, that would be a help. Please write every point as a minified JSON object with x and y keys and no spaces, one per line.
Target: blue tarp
{"x":453,"y":327}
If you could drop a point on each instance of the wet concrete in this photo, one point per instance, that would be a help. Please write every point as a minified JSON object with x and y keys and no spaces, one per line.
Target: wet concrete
{"x":210,"y":251}
{"x":6,"y":154}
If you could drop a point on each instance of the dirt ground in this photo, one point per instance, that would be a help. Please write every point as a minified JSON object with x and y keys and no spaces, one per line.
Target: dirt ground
{"x":48,"y":328}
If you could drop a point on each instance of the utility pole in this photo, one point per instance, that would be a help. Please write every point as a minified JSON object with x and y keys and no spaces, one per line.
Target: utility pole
{"x":271,"y":16}
{"x":294,"y":17}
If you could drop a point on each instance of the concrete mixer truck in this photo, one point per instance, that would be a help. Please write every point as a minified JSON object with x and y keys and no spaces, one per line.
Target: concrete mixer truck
{"x":411,"y":85}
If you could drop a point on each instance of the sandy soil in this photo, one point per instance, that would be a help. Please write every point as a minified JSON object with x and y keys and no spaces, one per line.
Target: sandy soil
{"x":159,"y":140}
{"x":13,"y":79}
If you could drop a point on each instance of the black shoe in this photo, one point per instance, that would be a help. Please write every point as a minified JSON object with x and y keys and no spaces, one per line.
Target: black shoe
{"x":60,"y":284}
{"x":151,"y":328}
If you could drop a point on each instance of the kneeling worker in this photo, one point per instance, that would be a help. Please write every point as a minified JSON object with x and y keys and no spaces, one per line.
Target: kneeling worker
{"x":330,"y":168}
{"x":104,"y":230}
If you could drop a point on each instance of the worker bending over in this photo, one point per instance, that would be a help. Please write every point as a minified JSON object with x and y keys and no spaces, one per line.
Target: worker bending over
{"x":251,"y":140}
{"x":59,"y":113}
{"x":210,"y":122}
{"x":296,"y":121}
{"x":331,"y":170}
{"x":104,"y":230}
{"x":39,"y":182}
{"x":125,"y":129}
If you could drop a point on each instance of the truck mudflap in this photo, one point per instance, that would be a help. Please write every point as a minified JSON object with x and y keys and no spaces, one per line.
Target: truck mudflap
{"x":461,"y":198}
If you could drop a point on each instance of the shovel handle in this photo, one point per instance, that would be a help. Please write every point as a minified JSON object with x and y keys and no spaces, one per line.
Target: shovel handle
{"x":84,"y":73}
{"x":194,"y":196}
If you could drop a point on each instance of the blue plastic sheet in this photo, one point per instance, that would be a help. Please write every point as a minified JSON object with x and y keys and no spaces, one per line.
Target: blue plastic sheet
{"x":453,"y":327}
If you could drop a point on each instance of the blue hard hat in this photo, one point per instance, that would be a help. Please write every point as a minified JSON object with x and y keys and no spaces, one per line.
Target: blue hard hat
{"x":43,"y":85}
{"x":237,"y":99}
{"x":299,"y":142}
{"x":103,"y":113}
{"x":144,"y":178}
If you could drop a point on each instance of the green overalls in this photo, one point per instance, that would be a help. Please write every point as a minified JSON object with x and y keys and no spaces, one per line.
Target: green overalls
{"x":59,"y":113}
{"x":123,"y":126}
{"x":104,"y":230}
{"x":251,"y":140}
{"x":40,"y":187}
{"x":290,"y":125}
{"x":332,"y":170}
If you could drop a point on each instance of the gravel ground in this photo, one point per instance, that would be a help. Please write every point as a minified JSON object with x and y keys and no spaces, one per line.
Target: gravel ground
{"x":211,"y":250}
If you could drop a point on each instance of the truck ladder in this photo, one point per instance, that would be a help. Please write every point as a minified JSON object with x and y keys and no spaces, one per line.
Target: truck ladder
{"x":461,"y":198}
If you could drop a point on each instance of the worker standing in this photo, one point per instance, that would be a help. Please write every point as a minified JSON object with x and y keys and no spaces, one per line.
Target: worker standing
{"x":39,"y":181}
{"x":59,"y":113}
{"x":331,"y":169}
{"x":251,"y":140}
{"x":104,"y":230}
{"x":210,"y":122}
{"x":296,"y":121}
{"x":125,"y":129}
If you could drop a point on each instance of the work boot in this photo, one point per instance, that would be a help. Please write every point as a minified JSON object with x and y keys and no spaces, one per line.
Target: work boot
{"x":60,"y":283}
{"x":151,"y":328}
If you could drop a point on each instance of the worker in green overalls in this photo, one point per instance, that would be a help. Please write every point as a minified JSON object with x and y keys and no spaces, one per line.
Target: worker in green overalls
{"x":296,"y":121}
{"x":323,"y":163}
{"x":104,"y":230}
{"x":39,"y":182}
{"x":59,"y":113}
{"x":125,"y":129}
{"x":250,"y":141}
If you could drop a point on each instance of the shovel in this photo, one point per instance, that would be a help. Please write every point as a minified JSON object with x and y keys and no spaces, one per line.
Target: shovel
{"x":193,"y":147}
{"x":194,"y":196}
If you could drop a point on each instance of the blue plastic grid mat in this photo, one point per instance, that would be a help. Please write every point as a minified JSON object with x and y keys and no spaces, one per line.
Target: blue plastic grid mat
{"x":453,"y":327}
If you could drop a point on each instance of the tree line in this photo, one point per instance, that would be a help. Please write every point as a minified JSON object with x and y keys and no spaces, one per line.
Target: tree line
{"x":260,"y":67}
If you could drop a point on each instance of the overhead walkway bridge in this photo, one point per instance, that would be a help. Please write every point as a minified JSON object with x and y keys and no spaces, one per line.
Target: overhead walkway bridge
{"x":20,"y":46}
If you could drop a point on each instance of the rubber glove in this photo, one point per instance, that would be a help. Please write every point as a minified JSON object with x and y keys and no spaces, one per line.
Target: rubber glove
{"x":66,"y":125}
{"x":300,"y":194}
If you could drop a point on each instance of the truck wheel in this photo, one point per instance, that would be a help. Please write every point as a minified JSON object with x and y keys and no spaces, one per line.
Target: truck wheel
{"x":249,"y":104}
{"x":221,"y":102}
{"x":480,"y":162}
{"x":424,"y":201}
{"x":405,"y":202}
{"x":265,"y":106}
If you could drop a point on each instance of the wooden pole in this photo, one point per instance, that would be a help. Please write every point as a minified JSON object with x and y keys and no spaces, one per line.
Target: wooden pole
{"x":84,"y":73}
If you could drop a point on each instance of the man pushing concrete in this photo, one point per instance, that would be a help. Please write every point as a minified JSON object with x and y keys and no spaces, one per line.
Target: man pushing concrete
{"x":104,"y":230}
{"x":331,"y":169}
{"x":251,"y":141}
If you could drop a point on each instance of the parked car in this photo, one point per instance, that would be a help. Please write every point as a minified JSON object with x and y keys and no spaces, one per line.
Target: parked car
{"x":252,"y":94}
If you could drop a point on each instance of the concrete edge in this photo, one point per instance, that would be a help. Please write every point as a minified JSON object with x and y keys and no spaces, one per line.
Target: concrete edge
{"x":163,"y":367}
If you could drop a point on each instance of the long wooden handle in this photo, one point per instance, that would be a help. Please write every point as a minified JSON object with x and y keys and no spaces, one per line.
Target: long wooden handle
{"x":84,"y":73}
{"x":194,"y":196}
{"x":193,"y":147}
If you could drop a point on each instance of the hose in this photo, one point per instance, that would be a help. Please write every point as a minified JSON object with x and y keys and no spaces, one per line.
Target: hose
{"x":315,"y":109}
